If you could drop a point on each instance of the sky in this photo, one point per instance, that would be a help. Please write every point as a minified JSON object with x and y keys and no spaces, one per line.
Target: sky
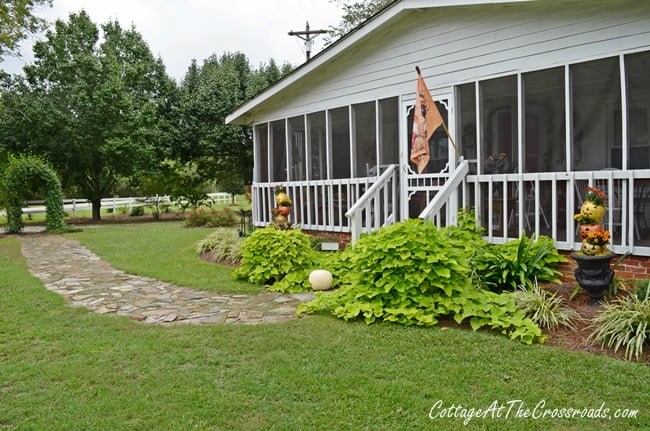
{"x":181,"y":30}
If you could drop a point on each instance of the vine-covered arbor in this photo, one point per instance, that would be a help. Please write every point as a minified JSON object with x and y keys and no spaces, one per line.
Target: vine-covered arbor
{"x":21,"y":175}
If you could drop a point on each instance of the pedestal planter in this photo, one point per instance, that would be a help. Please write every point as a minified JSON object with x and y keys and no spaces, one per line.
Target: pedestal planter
{"x":593,"y":275}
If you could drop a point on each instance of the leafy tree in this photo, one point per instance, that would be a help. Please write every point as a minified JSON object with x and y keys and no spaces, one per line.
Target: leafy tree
{"x":181,"y":181}
{"x":208,"y":93}
{"x":354,"y":13}
{"x":17,"y":21}
{"x":95,"y":105}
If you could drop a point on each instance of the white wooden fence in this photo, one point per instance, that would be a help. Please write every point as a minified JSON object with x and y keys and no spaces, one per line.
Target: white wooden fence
{"x":115,"y":203}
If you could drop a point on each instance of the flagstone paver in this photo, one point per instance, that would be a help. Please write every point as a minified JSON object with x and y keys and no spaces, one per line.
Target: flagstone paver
{"x":71,"y":270}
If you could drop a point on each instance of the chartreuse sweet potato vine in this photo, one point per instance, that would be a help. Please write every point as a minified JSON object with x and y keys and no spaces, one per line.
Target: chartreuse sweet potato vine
{"x":413,"y":273}
{"x":278,"y":258}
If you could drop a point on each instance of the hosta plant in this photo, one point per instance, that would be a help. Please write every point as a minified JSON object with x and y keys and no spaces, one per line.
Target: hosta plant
{"x":413,"y":273}
{"x":623,"y":323}
{"x":544,"y":308}
{"x":517,"y":263}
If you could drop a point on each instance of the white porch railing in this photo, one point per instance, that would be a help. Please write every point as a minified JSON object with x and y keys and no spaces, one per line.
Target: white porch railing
{"x":377,"y":207}
{"x":545,"y":203}
{"x":317,"y":204}
{"x":450,"y":188}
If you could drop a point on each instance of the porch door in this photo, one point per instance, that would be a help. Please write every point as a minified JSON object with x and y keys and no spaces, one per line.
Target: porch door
{"x":418,"y":189}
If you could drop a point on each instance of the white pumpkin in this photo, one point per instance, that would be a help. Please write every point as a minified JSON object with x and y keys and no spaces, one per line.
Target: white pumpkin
{"x":320,"y":279}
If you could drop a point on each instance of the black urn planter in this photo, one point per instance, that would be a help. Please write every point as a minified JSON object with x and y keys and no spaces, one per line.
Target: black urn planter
{"x":594,"y":275}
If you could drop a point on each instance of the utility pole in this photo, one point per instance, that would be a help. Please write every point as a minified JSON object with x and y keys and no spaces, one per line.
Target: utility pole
{"x":306,"y":36}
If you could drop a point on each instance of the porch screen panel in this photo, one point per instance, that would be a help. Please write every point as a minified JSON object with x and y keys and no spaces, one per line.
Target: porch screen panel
{"x":637,"y":71}
{"x":262,"y":162}
{"x":317,"y":155}
{"x":388,"y":131}
{"x":596,"y":91}
{"x":297,"y":149}
{"x":545,"y":134}
{"x":499,"y":124}
{"x":467,"y":124}
{"x":438,"y":142}
{"x":340,"y":135}
{"x":365,"y":142}
{"x":278,"y":151}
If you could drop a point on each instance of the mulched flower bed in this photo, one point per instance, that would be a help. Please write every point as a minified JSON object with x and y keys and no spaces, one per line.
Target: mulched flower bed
{"x":570,"y":339}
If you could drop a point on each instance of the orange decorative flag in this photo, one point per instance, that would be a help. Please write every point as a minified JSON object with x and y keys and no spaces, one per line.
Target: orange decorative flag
{"x":426,"y":120}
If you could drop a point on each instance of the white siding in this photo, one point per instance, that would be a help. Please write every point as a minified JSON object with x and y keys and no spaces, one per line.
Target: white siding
{"x":459,"y":44}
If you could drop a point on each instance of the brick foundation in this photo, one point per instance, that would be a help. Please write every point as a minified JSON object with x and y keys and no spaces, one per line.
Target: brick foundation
{"x":630,"y":268}
{"x":343,"y":238}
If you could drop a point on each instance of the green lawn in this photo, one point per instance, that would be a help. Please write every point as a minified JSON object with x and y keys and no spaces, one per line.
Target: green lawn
{"x":162,"y":250}
{"x":64,"y":368}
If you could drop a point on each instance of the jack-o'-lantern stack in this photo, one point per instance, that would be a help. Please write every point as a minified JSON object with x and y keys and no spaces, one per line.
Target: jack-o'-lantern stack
{"x":283,"y":208}
{"x":594,"y":238}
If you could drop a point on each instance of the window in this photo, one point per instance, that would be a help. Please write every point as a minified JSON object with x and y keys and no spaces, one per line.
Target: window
{"x":545,"y":136}
{"x":499,"y":123}
{"x":388,"y":131}
{"x":340,"y":135}
{"x":316,"y":146}
{"x":596,"y":89}
{"x":297,"y":149}
{"x":637,"y":70}
{"x":365,"y":142}
{"x":262,"y":162}
{"x":278,"y":151}
{"x":467,"y":123}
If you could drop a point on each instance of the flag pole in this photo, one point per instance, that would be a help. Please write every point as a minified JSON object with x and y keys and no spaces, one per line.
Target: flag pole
{"x":444,"y":126}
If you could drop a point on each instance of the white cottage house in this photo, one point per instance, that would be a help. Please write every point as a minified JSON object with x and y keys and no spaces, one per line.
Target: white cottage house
{"x":543,"y":98}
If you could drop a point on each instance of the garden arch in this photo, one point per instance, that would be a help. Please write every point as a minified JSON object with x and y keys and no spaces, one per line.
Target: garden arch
{"x":17,"y":180}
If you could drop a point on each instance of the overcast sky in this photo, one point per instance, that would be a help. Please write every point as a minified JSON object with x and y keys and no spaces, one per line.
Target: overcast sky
{"x":180,"y":30}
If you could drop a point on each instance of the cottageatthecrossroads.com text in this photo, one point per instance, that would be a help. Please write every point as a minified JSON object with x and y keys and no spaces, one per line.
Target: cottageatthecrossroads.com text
{"x":519,"y":410}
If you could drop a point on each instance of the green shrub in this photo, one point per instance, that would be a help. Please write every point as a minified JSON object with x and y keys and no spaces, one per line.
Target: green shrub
{"x":269,"y":255}
{"x":623,"y":323}
{"x":214,"y":218}
{"x":546,"y":309}
{"x":137,"y":211}
{"x":222,"y":245}
{"x":223,"y":218}
{"x":517,"y":263}
{"x":412,"y":273}
{"x":197,"y":218}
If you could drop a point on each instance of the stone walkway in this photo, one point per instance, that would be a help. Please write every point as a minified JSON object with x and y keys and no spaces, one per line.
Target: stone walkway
{"x":67,"y":268}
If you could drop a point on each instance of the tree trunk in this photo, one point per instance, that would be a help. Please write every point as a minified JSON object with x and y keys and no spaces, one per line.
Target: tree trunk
{"x":97,"y":206}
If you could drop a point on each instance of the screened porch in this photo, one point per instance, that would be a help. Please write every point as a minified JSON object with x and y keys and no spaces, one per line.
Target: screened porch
{"x":533,"y":140}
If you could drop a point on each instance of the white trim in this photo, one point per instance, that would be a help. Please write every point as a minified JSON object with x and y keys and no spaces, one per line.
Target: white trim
{"x":568,"y":118}
{"x":287,"y":145}
{"x":352,"y":127}
{"x":378,"y":136}
{"x":625,"y":144}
